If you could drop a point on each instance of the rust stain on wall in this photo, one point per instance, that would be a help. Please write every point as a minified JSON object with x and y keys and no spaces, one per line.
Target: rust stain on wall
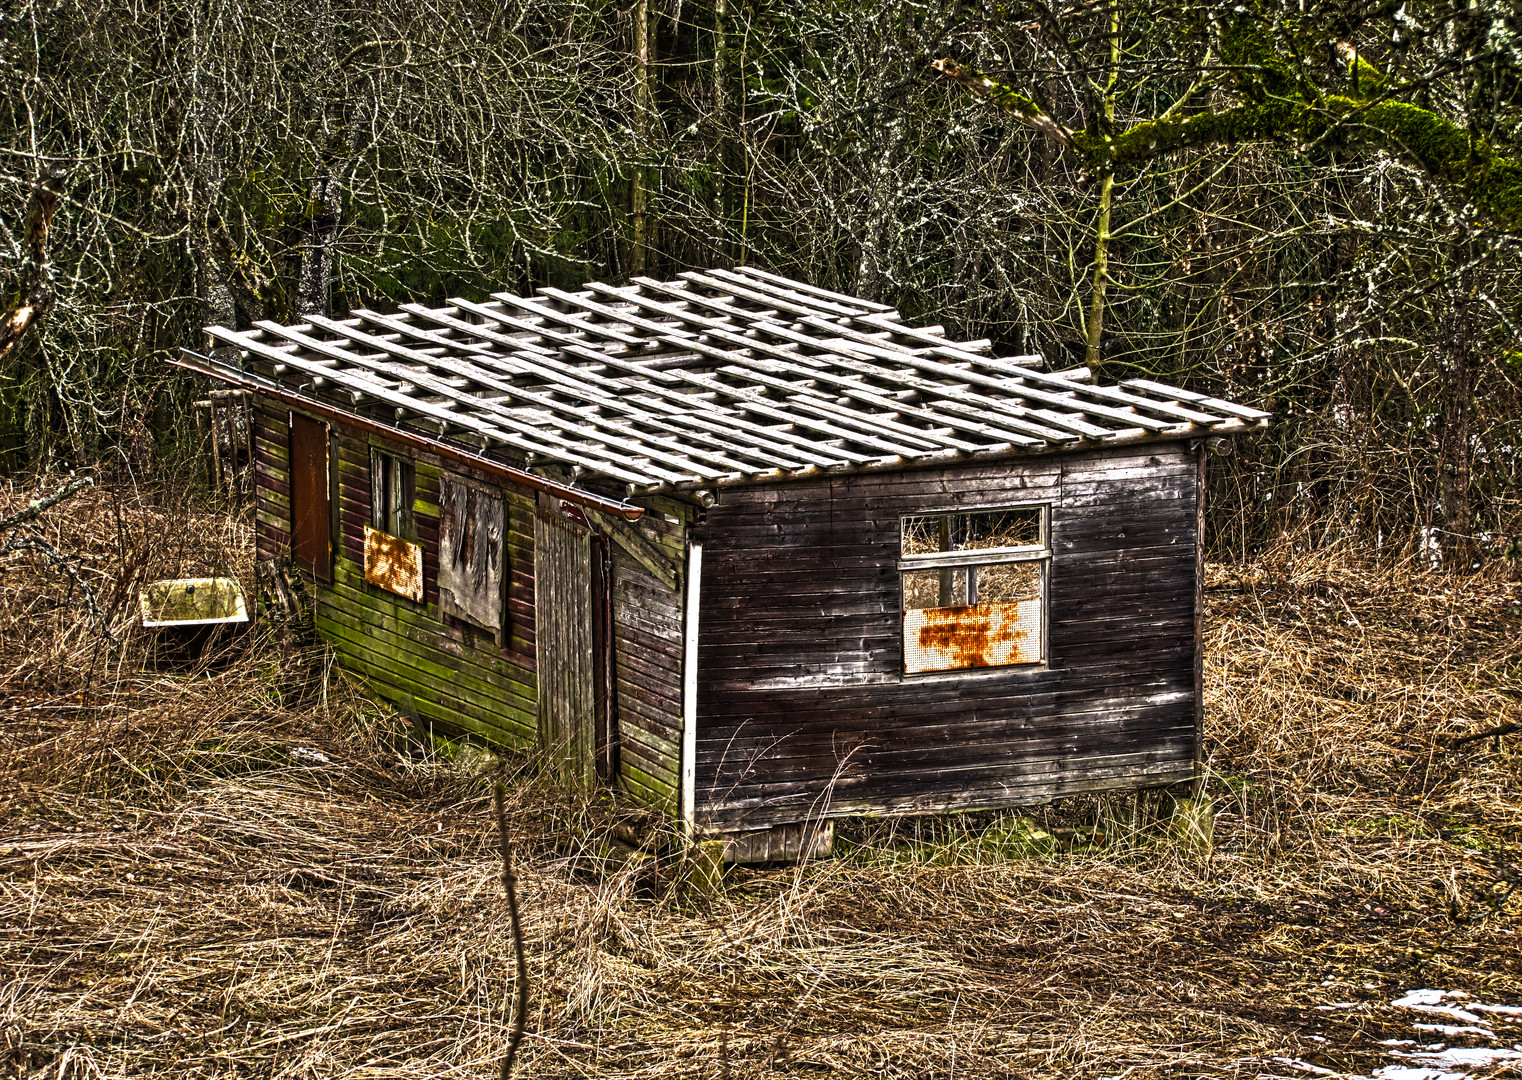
{"x":975,"y":635}
{"x":394,"y":564}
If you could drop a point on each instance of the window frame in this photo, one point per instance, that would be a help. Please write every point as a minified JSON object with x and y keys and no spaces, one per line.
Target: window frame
{"x":1039,"y":553}
{"x":393,"y":492}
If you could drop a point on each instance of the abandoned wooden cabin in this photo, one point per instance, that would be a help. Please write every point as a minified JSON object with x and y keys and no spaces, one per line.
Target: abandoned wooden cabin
{"x":752,"y":552}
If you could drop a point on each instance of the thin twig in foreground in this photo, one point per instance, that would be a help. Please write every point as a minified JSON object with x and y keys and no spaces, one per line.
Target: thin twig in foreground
{"x":510,"y":884}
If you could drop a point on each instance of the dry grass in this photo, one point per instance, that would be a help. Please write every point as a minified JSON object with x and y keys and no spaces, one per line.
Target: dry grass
{"x":240,"y":867}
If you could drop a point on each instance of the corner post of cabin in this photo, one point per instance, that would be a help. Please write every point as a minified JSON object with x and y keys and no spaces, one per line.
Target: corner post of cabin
{"x":690,"y":690}
{"x":1199,"y":447}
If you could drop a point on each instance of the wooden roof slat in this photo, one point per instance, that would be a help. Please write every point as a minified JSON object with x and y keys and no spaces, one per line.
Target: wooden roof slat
{"x":366,"y":382}
{"x":476,"y":372}
{"x":593,"y":307}
{"x":856,"y":390}
{"x":717,"y":329}
{"x":501,"y":415}
{"x":771,"y":295}
{"x":1069,"y":397}
{"x":754,"y":401}
{"x":550,"y":315}
{"x":871,"y":423}
{"x":814,"y":452}
{"x":1108,"y":393}
{"x":811,"y":290}
{"x":720,"y":376}
{"x":861,"y":361}
{"x":1203,"y":400}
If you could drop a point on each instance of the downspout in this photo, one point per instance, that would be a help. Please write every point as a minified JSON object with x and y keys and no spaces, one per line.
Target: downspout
{"x":690,"y":692}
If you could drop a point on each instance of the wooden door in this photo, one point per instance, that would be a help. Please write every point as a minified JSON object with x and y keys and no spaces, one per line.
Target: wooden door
{"x":567,"y":664}
{"x":311,"y":547}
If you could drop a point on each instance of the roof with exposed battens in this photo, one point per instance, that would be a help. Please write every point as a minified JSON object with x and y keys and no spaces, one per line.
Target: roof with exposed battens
{"x":719,"y":377}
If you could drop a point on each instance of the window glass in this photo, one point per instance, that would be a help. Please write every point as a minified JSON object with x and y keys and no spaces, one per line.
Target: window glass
{"x":1005,"y":583}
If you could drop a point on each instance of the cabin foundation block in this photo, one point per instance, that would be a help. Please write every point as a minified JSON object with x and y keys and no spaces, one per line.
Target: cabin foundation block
{"x":781,"y":843}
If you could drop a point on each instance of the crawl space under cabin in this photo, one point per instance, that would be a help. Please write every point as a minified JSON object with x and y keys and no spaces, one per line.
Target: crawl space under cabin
{"x":748,"y":551}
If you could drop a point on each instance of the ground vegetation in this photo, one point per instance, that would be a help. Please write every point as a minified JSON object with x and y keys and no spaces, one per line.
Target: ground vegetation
{"x":233,"y":862}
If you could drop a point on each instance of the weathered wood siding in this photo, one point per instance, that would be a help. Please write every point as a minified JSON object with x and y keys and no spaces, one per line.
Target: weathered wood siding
{"x":804,"y":710}
{"x":457,"y":677}
{"x":272,"y":481}
{"x":440,"y":671}
{"x":647,"y":621}
{"x":567,"y":709}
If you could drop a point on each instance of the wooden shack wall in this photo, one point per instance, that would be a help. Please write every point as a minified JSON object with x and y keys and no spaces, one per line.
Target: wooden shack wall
{"x":803,"y":709}
{"x":648,"y":622}
{"x":456,"y":677}
{"x":439,"y":670}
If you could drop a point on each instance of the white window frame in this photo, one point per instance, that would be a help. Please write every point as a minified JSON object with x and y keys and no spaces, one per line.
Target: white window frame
{"x":1039,"y":553}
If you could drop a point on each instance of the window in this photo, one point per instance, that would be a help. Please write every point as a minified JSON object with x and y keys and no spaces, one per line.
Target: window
{"x":974,"y":588}
{"x":392,"y":560}
{"x":391,"y":493}
{"x":472,"y":583}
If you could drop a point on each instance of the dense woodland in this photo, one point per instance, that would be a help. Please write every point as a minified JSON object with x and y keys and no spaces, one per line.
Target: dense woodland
{"x":1309,"y":206}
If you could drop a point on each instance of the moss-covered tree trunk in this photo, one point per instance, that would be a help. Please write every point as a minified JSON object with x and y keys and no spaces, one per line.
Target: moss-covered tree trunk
{"x":639,"y":239}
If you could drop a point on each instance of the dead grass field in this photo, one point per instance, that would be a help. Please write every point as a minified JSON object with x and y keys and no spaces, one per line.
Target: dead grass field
{"x":242,"y":868}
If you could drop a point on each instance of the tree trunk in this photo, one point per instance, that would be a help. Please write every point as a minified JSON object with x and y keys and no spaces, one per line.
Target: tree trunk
{"x":34,"y":295}
{"x":1094,"y":331}
{"x":324,"y":209}
{"x":1455,"y":445}
{"x":643,"y":104}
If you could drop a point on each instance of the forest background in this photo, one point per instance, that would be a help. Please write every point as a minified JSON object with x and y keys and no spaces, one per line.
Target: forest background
{"x":1308,"y":206}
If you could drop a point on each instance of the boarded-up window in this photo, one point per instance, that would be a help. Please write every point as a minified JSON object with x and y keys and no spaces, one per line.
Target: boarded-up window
{"x":471,"y":562}
{"x":394,"y":564}
{"x":974,"y":588}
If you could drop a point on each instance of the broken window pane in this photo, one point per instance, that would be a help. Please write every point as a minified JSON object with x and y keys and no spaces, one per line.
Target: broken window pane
{"x":935,"y":588}
{"x":391,"y":493}
{"x":1008,"y":583}
{"x":976,"y":530}
{"x":997,"y":529}
{"x":972,"y":611}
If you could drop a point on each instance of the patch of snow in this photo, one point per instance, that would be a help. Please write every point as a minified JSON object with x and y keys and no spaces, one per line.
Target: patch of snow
{"x":1448,"y":1011}
{"x":1449,"y":1029}
{"x":1503,"y":1010}
{"x":1405,"y":1072}
{"x":1421,"y":997}
{"x":1397,"y":1042}
{"x":1471,"y":1057}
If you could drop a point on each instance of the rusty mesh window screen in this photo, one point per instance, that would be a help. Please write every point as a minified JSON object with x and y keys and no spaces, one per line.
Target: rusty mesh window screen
{"x":394,"y":564}
{"x":974,"y":587}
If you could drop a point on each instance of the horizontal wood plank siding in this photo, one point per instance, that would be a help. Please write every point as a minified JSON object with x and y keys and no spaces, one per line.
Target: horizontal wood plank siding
{"x":647,"y":628}
{"x":272,"y":481}
{"x":437,"y":670}
{"x":804,"y":710}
